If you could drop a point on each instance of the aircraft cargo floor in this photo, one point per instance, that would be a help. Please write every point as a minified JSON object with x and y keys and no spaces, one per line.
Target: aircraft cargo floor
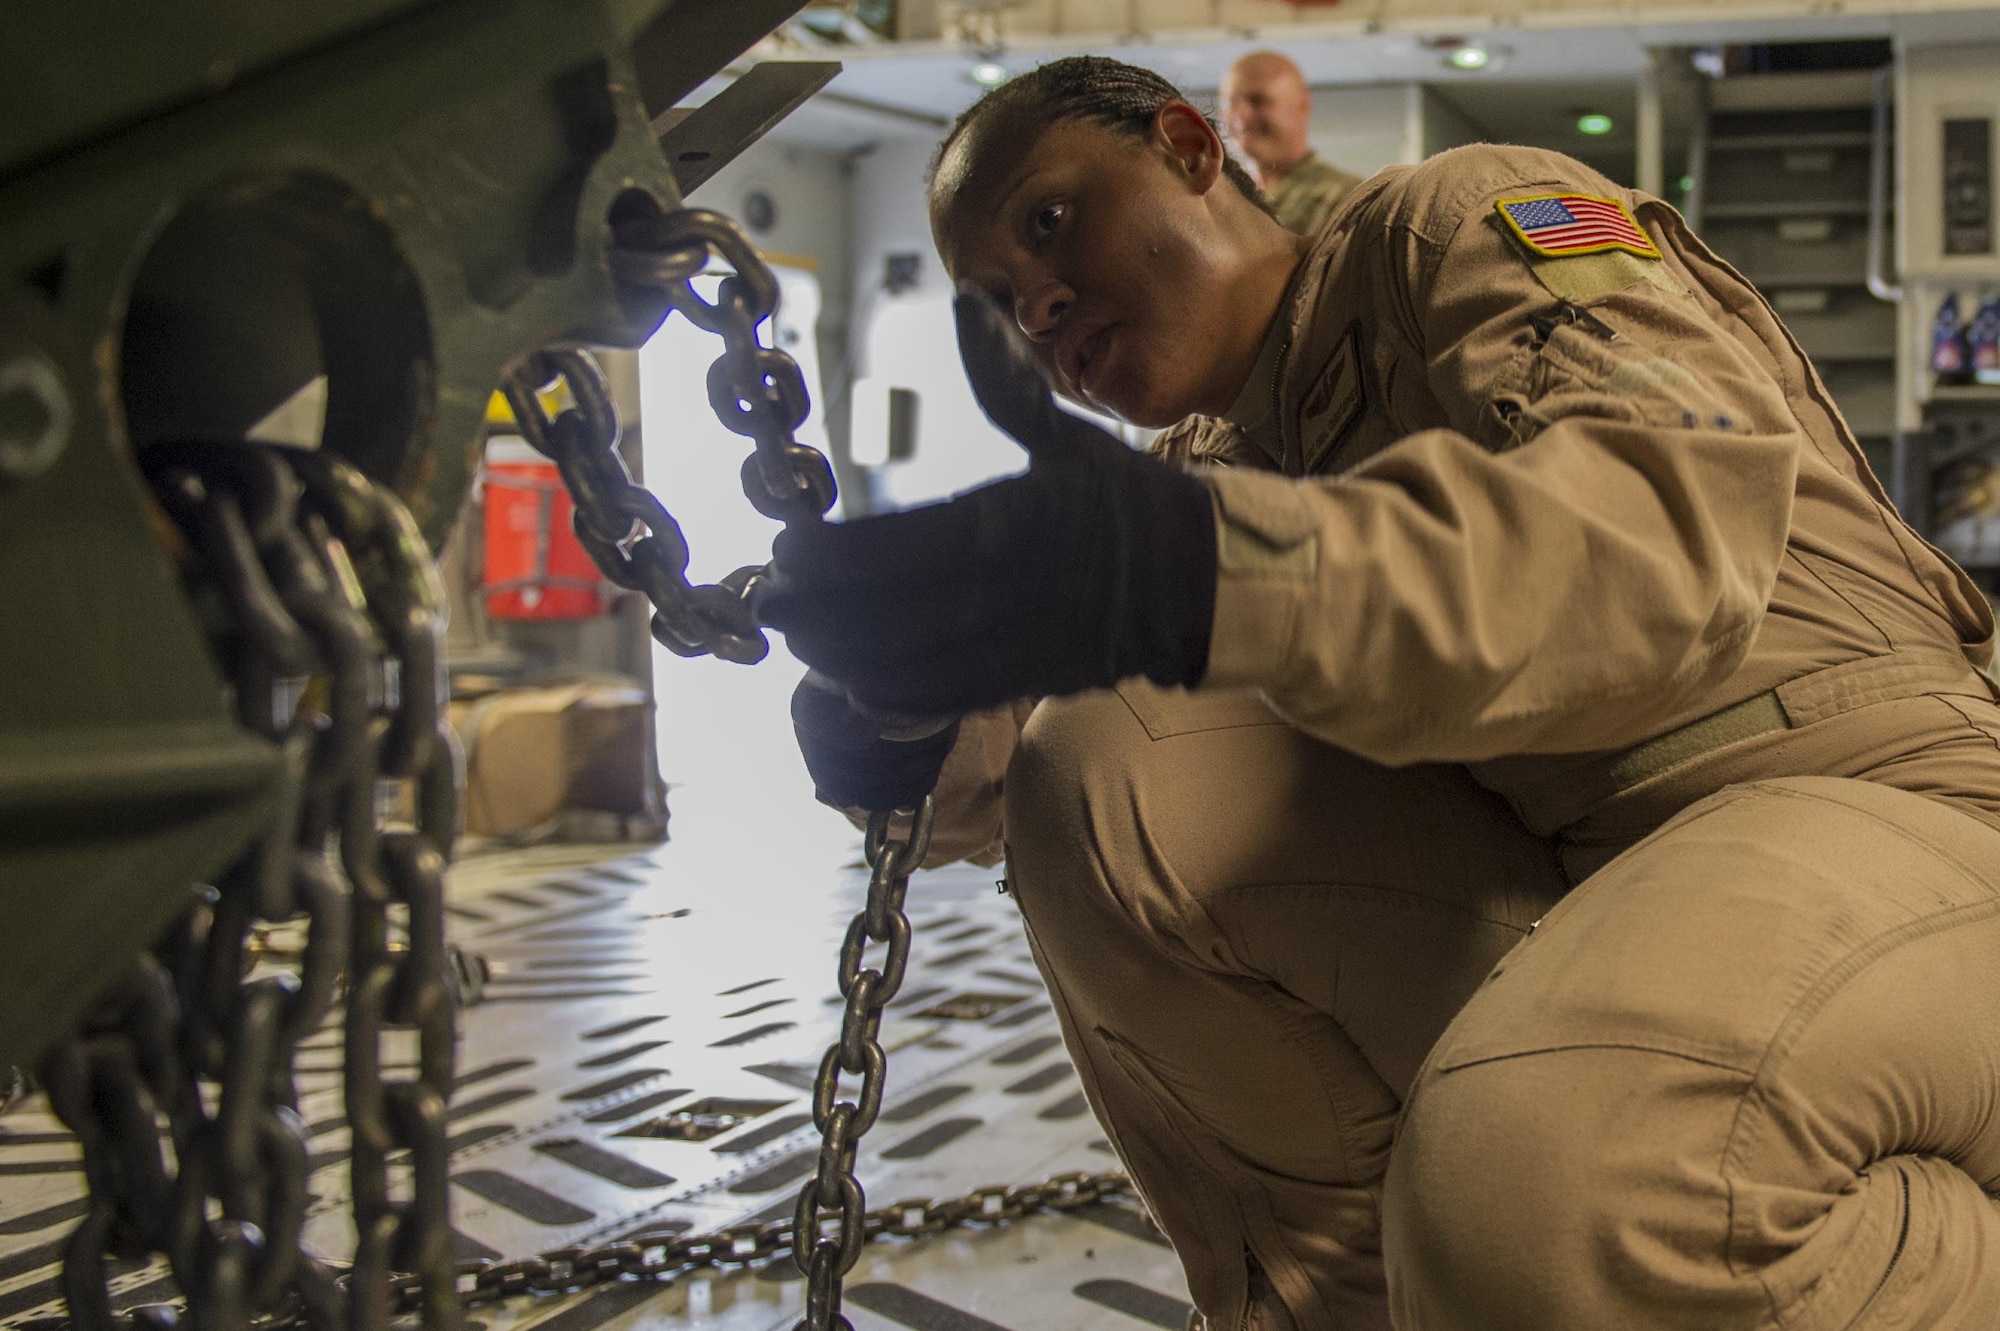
{"x":698,"y":976}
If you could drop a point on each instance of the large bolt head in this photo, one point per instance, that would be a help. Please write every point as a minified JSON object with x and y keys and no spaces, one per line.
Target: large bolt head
{"x":35,"y":417}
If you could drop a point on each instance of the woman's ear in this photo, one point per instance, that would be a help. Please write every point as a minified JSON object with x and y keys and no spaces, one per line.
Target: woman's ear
{"x":1191,"y":142}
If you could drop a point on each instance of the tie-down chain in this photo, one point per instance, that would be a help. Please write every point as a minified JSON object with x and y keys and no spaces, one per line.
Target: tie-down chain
{"x":760,"y":392}
{"x":322,"y":599}
{"x":757,"y":391}
{"x":326,"y":609}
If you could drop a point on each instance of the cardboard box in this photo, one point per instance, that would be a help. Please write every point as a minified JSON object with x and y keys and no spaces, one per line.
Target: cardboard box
{"x":533,"y":755}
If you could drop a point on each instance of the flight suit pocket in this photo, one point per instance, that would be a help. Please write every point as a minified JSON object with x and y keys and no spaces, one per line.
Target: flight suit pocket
{"x":1169,"y":712}
{"x":1856,"y":627}
{"x":1980,"y":714}
{"x":1216,"y":1204}
{"x":1167,"y":1145}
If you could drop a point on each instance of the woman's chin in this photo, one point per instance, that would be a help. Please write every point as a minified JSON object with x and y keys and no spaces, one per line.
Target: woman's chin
{"x":1140,"y":403}
{"x":1150,"y":413}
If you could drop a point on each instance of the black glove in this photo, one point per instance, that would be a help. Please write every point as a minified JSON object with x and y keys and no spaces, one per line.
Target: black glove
{"x":852,"y":765}
{"x":1096,"y":565}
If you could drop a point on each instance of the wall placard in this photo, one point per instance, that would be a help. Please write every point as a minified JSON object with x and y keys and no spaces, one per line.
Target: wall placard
{"x":1968,"y":186}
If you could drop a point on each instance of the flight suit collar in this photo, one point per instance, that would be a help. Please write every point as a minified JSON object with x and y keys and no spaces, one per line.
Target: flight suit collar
{"x":1317,"y":384}
{"x":1262,"y":428}
{"x":1255,"y":411}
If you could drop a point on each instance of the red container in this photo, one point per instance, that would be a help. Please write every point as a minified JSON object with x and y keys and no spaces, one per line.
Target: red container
{"x":535,"y":567}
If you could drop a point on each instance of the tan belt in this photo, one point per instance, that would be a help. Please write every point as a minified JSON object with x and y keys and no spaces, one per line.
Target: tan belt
{"x":1761,"y":715}
{"x":1562,"y":796}
{"x":1800,"y":702}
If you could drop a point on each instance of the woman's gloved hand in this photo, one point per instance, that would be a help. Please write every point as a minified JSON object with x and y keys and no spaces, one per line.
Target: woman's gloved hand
{"x":1096,"y":565}
{"x":853,"y":766}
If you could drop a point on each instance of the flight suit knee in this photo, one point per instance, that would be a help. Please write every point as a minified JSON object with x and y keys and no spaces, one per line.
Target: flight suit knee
{"x":1131,"y":811}
{"x":1163,"y":1040}
{"x":1740,"y":1079}
{"x":1547,"y":1192}
{"x":1205,"y":823}
{"x":1252,"y":939}
{"x":1072,"y":825}
{"x":1580,"y":1188}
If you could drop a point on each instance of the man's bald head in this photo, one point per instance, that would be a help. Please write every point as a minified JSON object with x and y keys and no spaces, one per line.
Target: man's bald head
{"x":1267,"y":66}
{"x":1266,"y":107}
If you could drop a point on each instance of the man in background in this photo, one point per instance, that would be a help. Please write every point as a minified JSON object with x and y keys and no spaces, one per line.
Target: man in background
{"x":1265,"y":106}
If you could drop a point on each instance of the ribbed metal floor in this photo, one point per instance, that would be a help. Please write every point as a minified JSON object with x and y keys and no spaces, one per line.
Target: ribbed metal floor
{"x":628,"y":986}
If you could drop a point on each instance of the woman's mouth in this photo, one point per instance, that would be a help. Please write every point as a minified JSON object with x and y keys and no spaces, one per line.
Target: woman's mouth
{"x":1090,"y":355}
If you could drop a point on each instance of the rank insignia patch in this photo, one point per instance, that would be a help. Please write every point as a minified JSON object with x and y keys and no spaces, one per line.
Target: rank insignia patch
{"x":1333,"y":405}
{"x":1555,"y":225}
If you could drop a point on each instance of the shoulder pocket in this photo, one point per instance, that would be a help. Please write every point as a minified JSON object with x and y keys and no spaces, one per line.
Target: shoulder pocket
{"x":1576,"y":373}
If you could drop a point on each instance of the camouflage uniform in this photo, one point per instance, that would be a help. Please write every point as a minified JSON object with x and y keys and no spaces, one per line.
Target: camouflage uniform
{"x":1304,"y":199}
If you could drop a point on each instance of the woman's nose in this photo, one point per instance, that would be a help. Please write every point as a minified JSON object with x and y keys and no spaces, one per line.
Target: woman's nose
{"x":1040,"y":310}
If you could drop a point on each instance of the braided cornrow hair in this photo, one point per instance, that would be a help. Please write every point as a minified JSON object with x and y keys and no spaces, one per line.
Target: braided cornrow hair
{"x":1097,"y":89}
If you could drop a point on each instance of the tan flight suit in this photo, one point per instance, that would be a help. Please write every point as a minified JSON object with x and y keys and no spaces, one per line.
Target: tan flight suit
{"x":1557,"y":590}
{"x":1304,"y":198}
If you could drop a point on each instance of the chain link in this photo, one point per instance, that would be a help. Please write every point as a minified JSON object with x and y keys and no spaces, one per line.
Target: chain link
{"x":395,"y":866}
{"x":830,"y":1218}
{"x":664,"y":1258}
{"x":757,"y":391}
{"x":323,"y":606}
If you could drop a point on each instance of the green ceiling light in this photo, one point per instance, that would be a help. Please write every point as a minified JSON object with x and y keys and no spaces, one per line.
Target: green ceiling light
{"x":1470,"y":57}
{"x":1593,"y":123}
{"x":988,"y":74}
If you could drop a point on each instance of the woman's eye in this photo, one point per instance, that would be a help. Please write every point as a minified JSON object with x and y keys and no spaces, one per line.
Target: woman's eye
{"x":1048,"y":218}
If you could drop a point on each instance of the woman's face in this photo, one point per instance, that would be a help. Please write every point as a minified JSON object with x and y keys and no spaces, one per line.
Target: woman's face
{"x":1104,"y":245}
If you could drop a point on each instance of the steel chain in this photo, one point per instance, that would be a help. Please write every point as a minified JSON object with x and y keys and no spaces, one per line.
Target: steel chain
{"x":833,"y":1196}
{"x":668,"y":1257}
{"x":322,"y":603}
{"x":757,"y":391}
{"x":665,"y":1258}
{"x":395,"y":867}
{"x":327,"y":610}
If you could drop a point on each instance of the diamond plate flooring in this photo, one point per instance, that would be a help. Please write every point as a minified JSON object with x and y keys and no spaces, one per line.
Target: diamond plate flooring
{"x":642,"y":1061}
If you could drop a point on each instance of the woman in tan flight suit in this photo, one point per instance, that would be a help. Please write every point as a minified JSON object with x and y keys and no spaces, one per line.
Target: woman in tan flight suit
{"x":1530,"y":739}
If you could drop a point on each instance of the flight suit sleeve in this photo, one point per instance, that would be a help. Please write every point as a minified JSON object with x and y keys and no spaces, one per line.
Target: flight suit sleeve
{"x":971,"y":788}
{"x":1592,"y":543}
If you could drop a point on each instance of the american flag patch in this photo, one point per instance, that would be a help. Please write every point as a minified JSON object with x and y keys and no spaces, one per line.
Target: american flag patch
{"x":1555,"y":225}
